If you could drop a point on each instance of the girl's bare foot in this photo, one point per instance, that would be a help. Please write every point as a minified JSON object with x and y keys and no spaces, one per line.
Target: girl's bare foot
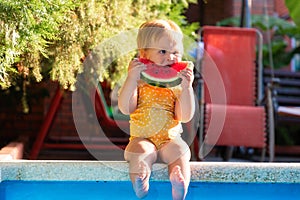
{"x":178,"y":184}
{"x":141,"y":184}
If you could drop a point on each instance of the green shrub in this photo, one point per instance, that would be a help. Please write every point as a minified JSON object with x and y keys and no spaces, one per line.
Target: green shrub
{"x":43,"y":39}
{"x":52,"y":36}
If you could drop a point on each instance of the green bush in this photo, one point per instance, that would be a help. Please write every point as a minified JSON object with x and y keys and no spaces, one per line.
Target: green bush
{"x":43,"y":39}
{"x":52,"y":36}
{"x":26,"y":30}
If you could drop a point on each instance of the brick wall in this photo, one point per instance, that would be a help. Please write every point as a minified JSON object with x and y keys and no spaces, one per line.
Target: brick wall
{"x":258,"y":7}
{"x":14,"y":123}
{"x":63,"y":124}
{"x":208,"y":12}
{"x":281,"y":9}
{"x":216,"y":10}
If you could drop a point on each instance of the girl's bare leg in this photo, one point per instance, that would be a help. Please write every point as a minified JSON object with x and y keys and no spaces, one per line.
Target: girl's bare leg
{"x":141,"y":154}
{"x":177,"y":155}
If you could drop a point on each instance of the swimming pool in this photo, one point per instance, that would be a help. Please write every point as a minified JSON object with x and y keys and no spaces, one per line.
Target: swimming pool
{"x":109,"y":180}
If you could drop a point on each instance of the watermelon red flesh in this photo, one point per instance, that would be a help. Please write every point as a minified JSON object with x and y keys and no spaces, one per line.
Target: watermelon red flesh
{"x":163,"y":76}
{"x":176,"y":66}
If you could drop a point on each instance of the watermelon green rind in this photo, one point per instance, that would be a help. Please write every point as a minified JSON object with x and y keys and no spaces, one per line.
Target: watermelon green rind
{"x":163,"y":82}
{"x":157,"y":83}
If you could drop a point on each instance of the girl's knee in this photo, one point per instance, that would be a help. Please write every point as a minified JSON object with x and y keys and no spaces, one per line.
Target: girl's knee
{"x":140,"y":149}
{"x":148,"y":158}
{"x":174,"y":151}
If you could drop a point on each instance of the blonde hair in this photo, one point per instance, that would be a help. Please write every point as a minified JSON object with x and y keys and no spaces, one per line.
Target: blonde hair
{"x":151,"y":31}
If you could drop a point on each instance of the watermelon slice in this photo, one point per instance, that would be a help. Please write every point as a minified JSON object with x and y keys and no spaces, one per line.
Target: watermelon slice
{"x":163,"y":76}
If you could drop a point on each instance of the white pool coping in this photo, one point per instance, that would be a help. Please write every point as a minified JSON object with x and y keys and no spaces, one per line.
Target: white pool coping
{"x":27,"y":170}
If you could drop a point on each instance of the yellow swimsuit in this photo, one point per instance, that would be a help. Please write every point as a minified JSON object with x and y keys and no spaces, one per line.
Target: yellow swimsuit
{"x":154,"y":117}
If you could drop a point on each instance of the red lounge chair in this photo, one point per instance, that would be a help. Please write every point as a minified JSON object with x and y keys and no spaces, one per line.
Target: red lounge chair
{"x":232,"y":106}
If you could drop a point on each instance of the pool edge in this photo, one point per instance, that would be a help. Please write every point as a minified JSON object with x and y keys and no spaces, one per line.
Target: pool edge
{"x":118,"y":171}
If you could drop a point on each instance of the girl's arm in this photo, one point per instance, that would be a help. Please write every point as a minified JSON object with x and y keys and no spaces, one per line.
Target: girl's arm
{"x":185,"y":104}
{"x":127,"y":100}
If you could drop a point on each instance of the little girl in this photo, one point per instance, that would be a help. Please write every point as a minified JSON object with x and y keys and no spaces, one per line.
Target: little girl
{"x":156,"y":113}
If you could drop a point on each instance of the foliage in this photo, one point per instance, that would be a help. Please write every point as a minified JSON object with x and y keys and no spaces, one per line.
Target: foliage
{"x":280,"y":29}
{"x":43,"y":39}
{"x":26,"y":29}
{"x":294,"y":10}
{"x":287,"y":134}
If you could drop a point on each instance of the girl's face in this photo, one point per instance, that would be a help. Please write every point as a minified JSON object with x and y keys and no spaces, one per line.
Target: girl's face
{"x":165,"y":52}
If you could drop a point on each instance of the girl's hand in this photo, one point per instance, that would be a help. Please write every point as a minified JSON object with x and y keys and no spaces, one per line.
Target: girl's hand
{"x":135,"y":68}
{"x":187,"y":76}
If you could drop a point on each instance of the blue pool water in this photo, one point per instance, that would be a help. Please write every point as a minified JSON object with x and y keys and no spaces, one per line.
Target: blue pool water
{"x":102,"y":190}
